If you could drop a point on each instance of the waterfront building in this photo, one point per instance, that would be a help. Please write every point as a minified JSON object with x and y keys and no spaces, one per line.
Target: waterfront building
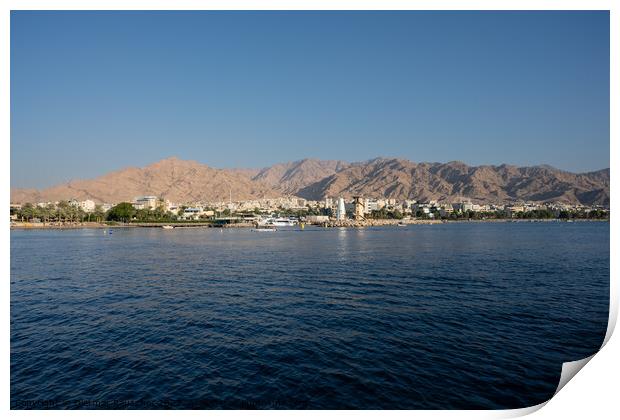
{"x":370,"y":205}
{"x":341,"y":212}
{"x":145,"y":202}
{"x":408,"y":205}
{"x":424,"y":208}
{"x":192,"y":213}
{"x":512,"y":210}
{"x":171,"y":207}
{"x":445,"y":210}
{"x":463,"y":206}
{"x":381,"y":203}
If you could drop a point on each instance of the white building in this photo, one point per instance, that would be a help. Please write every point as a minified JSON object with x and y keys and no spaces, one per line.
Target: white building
{"x":370,"y":205}
{"x":145,"y":202}
{"x":192,"y":213}
{"x":87,"y":205}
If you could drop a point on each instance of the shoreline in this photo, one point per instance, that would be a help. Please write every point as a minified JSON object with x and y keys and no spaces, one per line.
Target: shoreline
{"x":330,"y":224}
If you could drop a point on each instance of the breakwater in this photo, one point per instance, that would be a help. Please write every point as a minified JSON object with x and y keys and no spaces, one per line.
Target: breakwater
{"x":377,"y":222}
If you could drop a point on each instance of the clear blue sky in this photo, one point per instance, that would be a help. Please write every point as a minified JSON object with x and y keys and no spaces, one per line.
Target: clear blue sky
{"x":98,"y":91}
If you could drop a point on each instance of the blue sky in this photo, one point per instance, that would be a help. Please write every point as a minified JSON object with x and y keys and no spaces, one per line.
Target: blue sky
{"x":98,"y":91}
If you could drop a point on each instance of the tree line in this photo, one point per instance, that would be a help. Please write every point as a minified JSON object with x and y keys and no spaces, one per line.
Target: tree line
{"x":64,"y":212}
{"x":531,"y":214}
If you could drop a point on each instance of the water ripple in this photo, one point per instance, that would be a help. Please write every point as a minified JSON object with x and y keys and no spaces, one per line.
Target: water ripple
{"x":458,"y":316}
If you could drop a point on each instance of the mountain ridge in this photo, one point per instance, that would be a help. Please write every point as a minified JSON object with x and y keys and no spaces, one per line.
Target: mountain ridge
{"x":191,"y":181}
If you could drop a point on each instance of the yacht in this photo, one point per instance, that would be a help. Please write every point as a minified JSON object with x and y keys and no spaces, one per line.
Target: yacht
{"x":281,"y":221}
{"x":264,"y":228}
{"x":278,"y":221}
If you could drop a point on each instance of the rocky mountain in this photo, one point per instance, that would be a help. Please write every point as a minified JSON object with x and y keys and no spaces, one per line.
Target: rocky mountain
{"x":454,"y":181}
{"x":181,"y":181}
{"x":291,"y":177}
{"x":190,"y":181}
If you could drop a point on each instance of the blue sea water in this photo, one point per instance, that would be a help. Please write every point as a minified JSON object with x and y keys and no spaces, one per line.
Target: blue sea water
{"x":451,"y":316}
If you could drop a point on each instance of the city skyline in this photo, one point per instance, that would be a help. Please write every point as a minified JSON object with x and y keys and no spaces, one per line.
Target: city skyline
{"x":93,"y":92}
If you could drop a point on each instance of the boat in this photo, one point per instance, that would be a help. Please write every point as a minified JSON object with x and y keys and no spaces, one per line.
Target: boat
{"x":401,"y":225}
{"x":278,"y":221}
{"x":264,"y":229}
{"x":281,"y":221}
{"x":167,"y":227}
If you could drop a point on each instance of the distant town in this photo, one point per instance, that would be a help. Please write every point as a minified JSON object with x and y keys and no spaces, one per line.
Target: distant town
{"x":332,"y":211}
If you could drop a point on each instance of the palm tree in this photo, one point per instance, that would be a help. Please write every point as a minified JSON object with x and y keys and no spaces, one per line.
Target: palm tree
{"x":27,"y":211}
{"x":42,"y":214}
{"x":99,"y":213}
{"x":63,"y":210}
{"x":51,"y":209}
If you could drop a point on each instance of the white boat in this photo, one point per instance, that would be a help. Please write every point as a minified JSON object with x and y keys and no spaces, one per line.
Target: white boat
{"x":278,"y":221}
{"x":281,"y":221}
{"x":264,"y":229}
{"x":167,"y":227}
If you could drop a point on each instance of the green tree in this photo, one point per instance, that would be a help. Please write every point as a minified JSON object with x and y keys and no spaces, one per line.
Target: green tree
{"x":142,"y":215}
{"x":27,"y":211}
{"x":396,"y":214}
{"x":98,"y":213}
{"x":420,"y":214}
{"x":44,"y":213}
{"x":159,"y":212}
{"x":62,"y":210}
{"x":122,"y":212}
{"x":51,"y":211}
{"x":564,"y":214}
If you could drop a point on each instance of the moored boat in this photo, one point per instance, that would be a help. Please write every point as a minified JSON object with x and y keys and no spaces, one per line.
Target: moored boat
{"x":264,"y":229}
{"x":282,"y":221}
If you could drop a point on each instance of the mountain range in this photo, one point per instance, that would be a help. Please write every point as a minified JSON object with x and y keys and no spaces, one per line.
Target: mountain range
{"x":186,"y":181}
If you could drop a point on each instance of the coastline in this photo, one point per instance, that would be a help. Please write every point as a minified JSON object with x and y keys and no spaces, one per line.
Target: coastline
{"x":330,"y":224}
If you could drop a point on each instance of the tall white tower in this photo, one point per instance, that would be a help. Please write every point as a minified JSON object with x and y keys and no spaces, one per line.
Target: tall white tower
{"x":341,"y":212}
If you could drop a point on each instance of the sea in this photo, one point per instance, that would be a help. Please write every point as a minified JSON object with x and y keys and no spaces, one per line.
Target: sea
{"x":444,"y":316}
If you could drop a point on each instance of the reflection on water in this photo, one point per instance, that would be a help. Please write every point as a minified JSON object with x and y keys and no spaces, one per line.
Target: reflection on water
{"x":444,"y":316}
